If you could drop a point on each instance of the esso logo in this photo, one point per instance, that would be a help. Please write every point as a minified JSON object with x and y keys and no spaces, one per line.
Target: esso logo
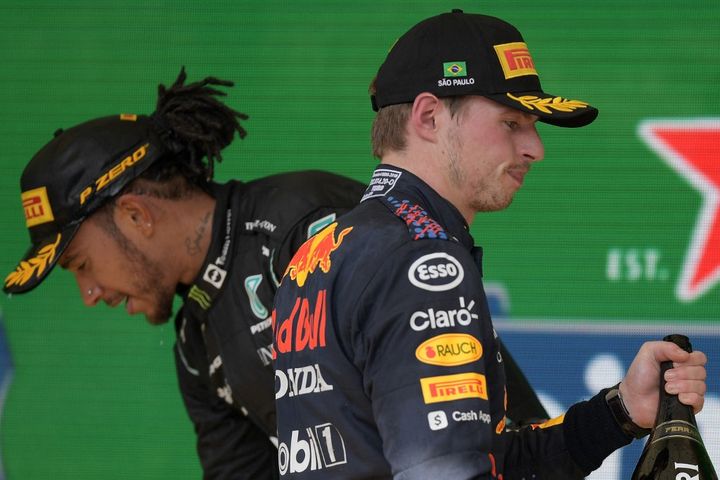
{"x":436,"y":272}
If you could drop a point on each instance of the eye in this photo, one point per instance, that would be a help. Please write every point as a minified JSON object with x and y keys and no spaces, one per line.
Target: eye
{"x":512,"y":125}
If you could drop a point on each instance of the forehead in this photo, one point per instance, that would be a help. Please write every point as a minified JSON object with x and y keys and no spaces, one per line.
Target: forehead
{"x":88,"y":235}
{"x":487,"y":105}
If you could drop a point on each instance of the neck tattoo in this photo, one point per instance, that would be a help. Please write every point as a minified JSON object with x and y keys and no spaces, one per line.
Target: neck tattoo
{"x":192,"y":245}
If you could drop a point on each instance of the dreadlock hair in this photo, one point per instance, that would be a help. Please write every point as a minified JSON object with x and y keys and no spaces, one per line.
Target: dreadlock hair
{"x":195,"y":127}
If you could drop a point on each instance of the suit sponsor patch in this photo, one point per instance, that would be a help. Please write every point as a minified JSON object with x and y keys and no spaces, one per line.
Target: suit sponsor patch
{"x":446,"y":388}
{"x":436,"y":272}
{"x":449,"y":349}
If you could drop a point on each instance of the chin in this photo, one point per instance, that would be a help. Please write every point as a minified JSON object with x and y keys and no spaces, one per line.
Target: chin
{"x":493,"y":206}
{"x":156,"y":320}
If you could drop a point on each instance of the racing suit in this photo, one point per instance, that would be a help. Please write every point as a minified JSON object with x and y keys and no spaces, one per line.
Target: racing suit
{"x":387,"y":362}
{"x":223,"y":346}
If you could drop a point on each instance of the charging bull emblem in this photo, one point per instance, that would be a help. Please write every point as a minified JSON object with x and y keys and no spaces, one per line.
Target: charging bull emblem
{"x":315,"y":253}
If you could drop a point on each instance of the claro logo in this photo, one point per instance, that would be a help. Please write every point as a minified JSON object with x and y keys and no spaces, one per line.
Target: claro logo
{"x":449,"y":350}
{"x":436,"y":272}
{"x":432,"y":318}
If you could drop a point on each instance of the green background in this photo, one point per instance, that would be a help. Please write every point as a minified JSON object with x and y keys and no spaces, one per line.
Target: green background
{"x":94,"y":393}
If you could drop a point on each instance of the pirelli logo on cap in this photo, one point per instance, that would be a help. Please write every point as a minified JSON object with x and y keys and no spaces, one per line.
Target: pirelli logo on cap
{"x":447,"y":388}
{"x":110,"y":175}
{"x":37,"y":207}
{"x":515,"y":59}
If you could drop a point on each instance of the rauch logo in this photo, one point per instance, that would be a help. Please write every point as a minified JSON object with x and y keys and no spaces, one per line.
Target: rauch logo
{"x":449,"y":350}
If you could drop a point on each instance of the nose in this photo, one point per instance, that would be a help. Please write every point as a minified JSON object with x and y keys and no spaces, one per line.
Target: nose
{"x":90,"y":292}
{"x":533,"y":148}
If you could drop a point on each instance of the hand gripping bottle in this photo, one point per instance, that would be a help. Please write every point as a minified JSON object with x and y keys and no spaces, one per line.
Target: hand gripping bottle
{"x":674,"y":450}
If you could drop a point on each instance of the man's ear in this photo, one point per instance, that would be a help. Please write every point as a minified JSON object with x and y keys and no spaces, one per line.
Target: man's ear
{"x":424,"y":115}
{"x":134,"y":212}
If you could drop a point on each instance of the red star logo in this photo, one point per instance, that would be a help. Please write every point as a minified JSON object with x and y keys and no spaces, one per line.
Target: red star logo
{"x":692,"y":148}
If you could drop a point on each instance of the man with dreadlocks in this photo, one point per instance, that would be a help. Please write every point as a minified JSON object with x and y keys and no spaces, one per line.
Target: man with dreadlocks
{"x":127,"y":204}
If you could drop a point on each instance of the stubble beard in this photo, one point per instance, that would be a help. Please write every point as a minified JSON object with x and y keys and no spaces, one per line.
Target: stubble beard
{"x":150,"y":278}
{"x":484,"y":198}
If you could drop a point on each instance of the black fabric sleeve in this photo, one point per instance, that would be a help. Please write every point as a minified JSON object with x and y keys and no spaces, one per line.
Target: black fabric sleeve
{"x":229,"y":445}
{"x":592,"y":433}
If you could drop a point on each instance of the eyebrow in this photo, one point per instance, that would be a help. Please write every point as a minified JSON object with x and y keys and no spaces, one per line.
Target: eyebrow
{"x":66,"y":260}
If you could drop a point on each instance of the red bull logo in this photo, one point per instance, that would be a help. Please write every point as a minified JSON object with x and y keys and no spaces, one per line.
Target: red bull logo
{"x":303,"y":328}
{"x":315,"y":253}
{"x":515,"y":59}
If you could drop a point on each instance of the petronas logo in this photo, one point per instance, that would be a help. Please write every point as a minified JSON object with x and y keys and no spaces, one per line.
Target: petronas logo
{"x":201,"y":297}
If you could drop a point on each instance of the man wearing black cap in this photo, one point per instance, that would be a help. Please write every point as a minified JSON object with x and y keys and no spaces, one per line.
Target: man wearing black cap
{"x":126,"y":203}
{"x":388,"y":303}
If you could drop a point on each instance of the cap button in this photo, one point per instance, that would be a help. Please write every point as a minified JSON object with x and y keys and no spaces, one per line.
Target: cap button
{"x":456,"y":10}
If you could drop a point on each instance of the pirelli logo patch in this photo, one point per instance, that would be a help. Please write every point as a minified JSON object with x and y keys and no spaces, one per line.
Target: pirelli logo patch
{"x":446,"y":388}
{"x":113,"y":173}
{"x":515,"y":59}
{"x":37,"y":207}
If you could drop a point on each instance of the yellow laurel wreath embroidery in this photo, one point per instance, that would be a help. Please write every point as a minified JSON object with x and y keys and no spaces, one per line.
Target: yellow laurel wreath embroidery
{"x":560,"y":104}
{"x":28,"y":268}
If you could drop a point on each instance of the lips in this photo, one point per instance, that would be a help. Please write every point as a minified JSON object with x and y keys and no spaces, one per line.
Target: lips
{"x":114,"y":302}
{"x":518,"y":174}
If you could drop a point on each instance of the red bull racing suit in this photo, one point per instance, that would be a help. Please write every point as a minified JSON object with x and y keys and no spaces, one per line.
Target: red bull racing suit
{"x":388,"y":365}
{"x":223,"y":348}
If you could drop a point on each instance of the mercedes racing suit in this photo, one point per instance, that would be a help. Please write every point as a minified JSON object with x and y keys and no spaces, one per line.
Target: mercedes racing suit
{"x":387,"y":362}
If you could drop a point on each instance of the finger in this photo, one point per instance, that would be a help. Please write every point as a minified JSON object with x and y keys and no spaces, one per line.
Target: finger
{"x":686,"y":372}
{"x":693,"y":400}
{"x":695,"y":358}
{"x":668,"y":351}
{"x":686,"y":386}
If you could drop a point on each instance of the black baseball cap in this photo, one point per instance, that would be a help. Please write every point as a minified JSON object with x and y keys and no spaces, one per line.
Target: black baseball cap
{"x":460,"y":53}
{"x":71,"y":177}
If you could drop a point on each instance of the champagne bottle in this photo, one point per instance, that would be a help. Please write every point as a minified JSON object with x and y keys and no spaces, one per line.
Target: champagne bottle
{"x":674,"y":450}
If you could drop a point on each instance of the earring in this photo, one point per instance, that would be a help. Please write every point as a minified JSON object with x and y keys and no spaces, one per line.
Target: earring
{"x":89,"y":292}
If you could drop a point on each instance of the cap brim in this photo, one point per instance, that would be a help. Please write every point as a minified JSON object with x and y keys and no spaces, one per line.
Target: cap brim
{"x":551,"y":109}
{"x":38,"y":262}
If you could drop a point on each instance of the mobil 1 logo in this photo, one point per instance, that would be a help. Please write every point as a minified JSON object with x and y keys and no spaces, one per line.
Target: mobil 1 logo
{"x":312,"y":448}
{"x":436,"y":272}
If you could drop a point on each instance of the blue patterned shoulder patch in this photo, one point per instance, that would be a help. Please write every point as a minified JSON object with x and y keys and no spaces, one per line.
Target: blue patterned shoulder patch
{"x":416,"y":218}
